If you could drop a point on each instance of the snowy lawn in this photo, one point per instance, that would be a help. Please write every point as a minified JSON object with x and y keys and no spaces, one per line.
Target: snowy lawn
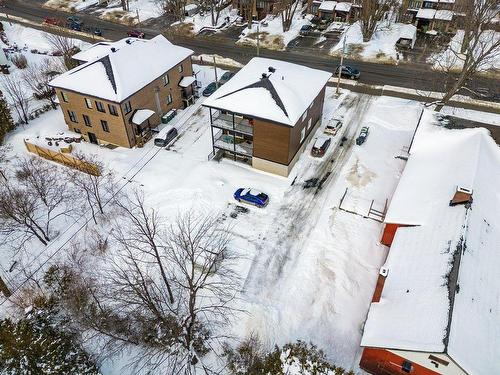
{"x":198,"y":22}
{"x":272,"y":35}
{"x":382,"y":45}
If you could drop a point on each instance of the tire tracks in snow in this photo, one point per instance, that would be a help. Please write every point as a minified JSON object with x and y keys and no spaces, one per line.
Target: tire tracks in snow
{"x":298,"y":215}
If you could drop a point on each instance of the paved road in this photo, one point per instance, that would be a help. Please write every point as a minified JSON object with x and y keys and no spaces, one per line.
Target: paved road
{"x":412,"y":75}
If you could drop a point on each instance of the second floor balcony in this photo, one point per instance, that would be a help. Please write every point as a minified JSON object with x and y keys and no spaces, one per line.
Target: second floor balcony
{"x":232,"y":122}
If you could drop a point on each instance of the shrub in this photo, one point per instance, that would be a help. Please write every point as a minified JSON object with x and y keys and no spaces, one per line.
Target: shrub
{"x":19,"y":61}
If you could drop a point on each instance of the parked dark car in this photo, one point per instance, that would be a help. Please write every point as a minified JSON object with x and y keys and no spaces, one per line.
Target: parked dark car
{"x":251,"y":196}
{"x":210,"y":89}
{"x":134,"y":33}
{"x":74,"y":19}
{"x":348,"y":72}
{"x":305,"y":30}
{"x":163,"y":142}
{"x":320,"y":146}
{"x":226,"y":77}
{"x":363,"y":134}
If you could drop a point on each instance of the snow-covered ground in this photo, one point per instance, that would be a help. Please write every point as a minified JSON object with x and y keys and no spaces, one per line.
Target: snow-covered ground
{"x":382,"y":45}
{"x":272,"y":35}
{"x":200,"y":21}
{"x":452,"y":59}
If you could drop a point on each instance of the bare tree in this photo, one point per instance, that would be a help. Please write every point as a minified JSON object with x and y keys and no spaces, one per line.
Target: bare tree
{"x":18,"y":96}
{"x":125,"y":5}
{"x":176,"y":8}
{"x":32,"y":200}
{"x":286,"y":9}
{"x":372,"y":12}
{"x":38,"y":76}
{"x":480,"y":47}
{"x":94,"y":183}
{"x":214,"y":7}
{"x":166,"y":289}
{"x":66,"y":46}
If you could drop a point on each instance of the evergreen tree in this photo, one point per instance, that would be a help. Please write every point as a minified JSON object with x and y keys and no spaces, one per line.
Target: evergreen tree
{"x":6,"y":122}
{"x":36,"y":344}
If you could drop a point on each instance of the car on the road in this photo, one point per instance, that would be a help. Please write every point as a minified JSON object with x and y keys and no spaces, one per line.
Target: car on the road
{"x":333,"y":126}
{"x":305,"y":30}
{"x":363,"y":134}
{"x":348,"y":72}
{"x":251,"y":196}
{"x":320,"y":146}
{"x":210,"y":89}
{"x":74,"y":19}
{"x":53,"y":21}
{"x":163,"y":142}
{"x":226,"y":77}
{"x":134,"y":33}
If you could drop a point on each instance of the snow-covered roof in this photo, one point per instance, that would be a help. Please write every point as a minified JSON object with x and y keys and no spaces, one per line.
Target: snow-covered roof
{"x":282,"y":96}
{"x":119,"y":74}
{"x":442,"y":287}
{"x":343,"y":7}
{"x":407,"y":31}
{"x":142,"y":115}
{"x":426,"y":13}
{"x":445,"y":15}
{"x":101,"y":49}
{"x":187,"y":81}
{"x":327,"y":6}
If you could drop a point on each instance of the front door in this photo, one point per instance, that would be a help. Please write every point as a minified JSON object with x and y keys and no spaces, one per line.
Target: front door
{"x":92,"y":138}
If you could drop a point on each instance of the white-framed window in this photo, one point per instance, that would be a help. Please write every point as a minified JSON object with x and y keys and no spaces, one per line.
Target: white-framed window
{"x":88,"y":103}
{"x":128,"y":107}
{"x":169,"y":99}
{"x":180,"y":68}
{"x":309,"y":123}
{"x":304,"y":116}
{"x":72,"y":116}
{"x":165,"y":80}
{"x":64,"y":96}
{"x":302,"y":134}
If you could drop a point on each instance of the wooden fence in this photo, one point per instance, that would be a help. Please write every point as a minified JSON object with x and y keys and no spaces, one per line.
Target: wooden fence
{"x":63,"y":157}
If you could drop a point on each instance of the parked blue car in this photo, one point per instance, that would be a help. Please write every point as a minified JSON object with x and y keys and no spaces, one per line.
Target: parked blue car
{"x":251,"y":196}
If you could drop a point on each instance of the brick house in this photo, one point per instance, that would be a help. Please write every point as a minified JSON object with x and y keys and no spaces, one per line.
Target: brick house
{"x":121,"y":90}
{"x":435,"y":309}
{"x":266,"y":113}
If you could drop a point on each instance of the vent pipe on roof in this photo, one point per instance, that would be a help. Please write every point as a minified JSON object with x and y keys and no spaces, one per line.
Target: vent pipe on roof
{"x":264,"y":75}
{"x":128,"y":41}
{"x":462,"y":196}
{"x":113,"y":49}
{"x":271,"y":69}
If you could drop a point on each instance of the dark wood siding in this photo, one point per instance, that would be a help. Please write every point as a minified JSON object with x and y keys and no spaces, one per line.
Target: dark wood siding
{"x":314,"y":113}
{"x":271,"y":141}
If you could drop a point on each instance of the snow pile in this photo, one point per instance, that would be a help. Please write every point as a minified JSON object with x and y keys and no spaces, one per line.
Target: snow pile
{"x":272,"y":35}
{"x":381,"y":45}
{"x":452,"y":58}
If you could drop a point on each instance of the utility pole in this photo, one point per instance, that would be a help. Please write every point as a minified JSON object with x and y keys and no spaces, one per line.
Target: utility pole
{"x":341,"y":63}
{"x":258,"y":37}
{"x":215,"y":70}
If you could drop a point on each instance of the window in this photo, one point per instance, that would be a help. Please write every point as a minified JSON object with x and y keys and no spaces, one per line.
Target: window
{"x":180,"y":68}
{"x":406,"y":367}
{"x":309,"y":123}
{"x":302,"y":134}
{"x":99,"y":106}
{"x":169,"y":99}
{"x":112,"y":110}
{"x":104,"y":125}
{"x":72,"y":116}
{"x":88,"y":103}
{"x":86,"y":120}
{"x":64,"y":96}
{"x":165,"y":80}
{"x":77,"y":130}
{"x":304,"y":116}
{"x":128,"y":107}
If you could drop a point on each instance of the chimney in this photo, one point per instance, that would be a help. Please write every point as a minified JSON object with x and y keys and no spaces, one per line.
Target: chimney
{"x":462,"y":196}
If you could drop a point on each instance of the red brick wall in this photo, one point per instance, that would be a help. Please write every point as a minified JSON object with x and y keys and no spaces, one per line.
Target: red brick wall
{"x":383,"y":362}
{"x":389,"y":233}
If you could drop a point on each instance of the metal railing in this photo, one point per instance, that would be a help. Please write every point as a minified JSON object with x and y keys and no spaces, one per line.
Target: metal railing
{"x":230,"y":143}
{"x":236,"y":124}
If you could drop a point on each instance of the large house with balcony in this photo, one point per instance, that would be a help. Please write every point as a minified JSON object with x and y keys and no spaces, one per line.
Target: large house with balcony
{"x":436,"y":306}
{"x":266,"y":113}
{"x":434,"y":15}
{"x":121,"y":90}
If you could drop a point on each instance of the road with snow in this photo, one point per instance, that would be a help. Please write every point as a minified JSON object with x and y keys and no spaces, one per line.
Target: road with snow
{"x":416,"y":76}
{"x":300,"y":209}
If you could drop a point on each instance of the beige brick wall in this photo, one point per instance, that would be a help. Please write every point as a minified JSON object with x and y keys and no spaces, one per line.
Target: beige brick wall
{"x":121,"y":132}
